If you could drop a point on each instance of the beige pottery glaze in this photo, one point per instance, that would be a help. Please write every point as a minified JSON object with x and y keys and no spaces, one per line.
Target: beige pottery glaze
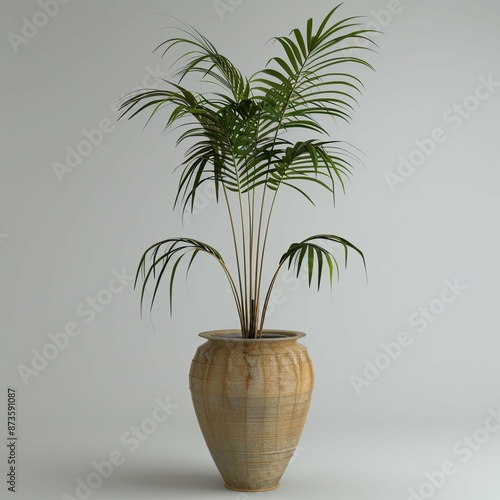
{"x":251,"y":398}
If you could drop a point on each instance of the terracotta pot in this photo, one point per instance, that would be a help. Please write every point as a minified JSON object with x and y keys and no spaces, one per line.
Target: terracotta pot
{"x":251,"y":398}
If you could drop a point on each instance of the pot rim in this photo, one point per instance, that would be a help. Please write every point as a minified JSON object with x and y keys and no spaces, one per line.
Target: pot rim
{"x":280,"y":335}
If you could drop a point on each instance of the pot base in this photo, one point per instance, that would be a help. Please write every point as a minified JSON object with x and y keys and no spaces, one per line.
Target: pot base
{"x":252,"y":491}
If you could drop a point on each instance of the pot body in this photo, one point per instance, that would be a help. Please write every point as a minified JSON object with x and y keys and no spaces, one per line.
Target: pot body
{"x":251,"y":398}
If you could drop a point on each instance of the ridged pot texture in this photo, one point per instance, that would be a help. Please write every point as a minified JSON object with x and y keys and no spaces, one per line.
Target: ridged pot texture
{"x":251,"y":398}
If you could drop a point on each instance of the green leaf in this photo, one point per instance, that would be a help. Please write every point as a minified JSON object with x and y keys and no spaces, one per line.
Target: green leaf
{"x":170,"y":248}
{"x":295,"y":255}
{"x":310,"y":263}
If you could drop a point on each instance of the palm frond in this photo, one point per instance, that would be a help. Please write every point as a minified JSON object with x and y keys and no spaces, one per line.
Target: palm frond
{"x":322,"y":162}
{"x":311,"y":253}
{"x":303,"y":83}
{"x":202,"y":57}
{"x":171,"y":252}
{"x":219,"y":129}
{"x":316,"y":254}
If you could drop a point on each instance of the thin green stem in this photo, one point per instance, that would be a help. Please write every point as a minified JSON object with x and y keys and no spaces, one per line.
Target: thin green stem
{"x":266,"y":301}
{"x":235,"y":292}
{"x":264,"y":248}
{"x":250,"y":252}
{"x":242,"y":217}
{"x":241,"y":311}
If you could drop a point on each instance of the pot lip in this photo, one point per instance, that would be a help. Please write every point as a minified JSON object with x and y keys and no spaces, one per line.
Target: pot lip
{"x":228,"y":335}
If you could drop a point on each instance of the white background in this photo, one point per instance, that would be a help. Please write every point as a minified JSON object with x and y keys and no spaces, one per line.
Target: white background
{"x":62,"y":239}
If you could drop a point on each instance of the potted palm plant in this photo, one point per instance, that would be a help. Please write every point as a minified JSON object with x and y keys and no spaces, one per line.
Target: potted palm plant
{"x":251,"y":387}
